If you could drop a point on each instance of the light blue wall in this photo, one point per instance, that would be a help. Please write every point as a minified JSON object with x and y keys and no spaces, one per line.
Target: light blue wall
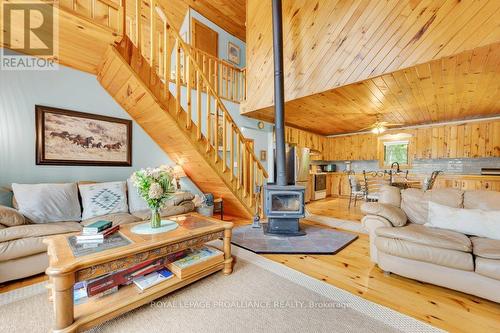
{"x":224,"y":36}
{"x":67,"y":89}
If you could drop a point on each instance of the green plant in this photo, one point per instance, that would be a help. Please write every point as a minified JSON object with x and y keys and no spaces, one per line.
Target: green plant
{"x":155,"y":185}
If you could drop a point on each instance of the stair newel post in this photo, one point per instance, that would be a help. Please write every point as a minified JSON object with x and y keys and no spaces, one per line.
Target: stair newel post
{"x":138,"y":28}
{"x":231,"y":150}
{"x":177,"y":76}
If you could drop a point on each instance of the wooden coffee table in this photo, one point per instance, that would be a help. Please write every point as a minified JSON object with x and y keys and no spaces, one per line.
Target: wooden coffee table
{"x":65,"y":269}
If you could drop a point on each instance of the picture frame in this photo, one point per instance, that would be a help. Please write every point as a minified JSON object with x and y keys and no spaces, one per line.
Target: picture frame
{"x":233,"y":53}
{"x":263,"y":155}
{"x":71,"y":138}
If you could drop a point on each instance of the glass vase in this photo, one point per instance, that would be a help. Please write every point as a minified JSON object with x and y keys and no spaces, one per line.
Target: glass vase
{"x":155,"y":218}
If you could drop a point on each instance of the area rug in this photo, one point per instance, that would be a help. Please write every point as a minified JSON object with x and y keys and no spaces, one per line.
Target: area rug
{"x":354,"y":226}
{"x":260,"y":296}
{"x":315,"y":241}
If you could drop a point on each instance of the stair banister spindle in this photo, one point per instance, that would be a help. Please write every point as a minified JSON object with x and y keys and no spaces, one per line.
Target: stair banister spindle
{"x":152,"y":41}
{"x":238,"y":161}
{"x":198,"y":104}
{"x":123,"y":12}
{"x":166,"y":66}
{"x":224,"y":143}
{"x":138,"y":23}
{"x":188,"y":93}
{"x":209,"y":122}
{"x":216,"y":132}
{"x":204,"y":68}
{"x":177,"y":76}
{"x":231,"y":151}
{"x":251,"y":179}
{"x":244,"y":168}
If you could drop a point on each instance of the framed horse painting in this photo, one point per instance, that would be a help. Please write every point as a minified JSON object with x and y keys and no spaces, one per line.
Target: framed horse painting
{"x":65,"y":137}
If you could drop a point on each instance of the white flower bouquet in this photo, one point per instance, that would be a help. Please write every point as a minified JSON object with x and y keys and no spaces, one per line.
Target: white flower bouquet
{"x":155,"y":186}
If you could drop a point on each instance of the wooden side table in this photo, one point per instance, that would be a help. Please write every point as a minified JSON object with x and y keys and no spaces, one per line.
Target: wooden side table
{"x":65,"y":269}
{"x":219,"y":207}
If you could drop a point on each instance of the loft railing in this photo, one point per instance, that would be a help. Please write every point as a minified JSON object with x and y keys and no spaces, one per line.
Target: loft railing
{"x":228,"y":80}
{"x":109,"y":14}
{"x":175,"y":61}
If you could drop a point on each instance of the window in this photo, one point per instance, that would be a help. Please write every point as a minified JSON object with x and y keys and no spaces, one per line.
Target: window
{"x":396,"y":151}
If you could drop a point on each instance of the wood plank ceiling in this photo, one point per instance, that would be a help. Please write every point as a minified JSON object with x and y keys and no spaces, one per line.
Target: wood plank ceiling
{"x":331,"y":44}
{"x":459,"y":87}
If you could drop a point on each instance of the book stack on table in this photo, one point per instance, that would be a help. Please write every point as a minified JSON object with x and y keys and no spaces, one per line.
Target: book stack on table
{"x":149,"y":273}
{"x":96,"y":232}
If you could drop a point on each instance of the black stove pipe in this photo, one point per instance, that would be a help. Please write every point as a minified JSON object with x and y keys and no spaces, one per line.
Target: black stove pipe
{"x":279,"y":94}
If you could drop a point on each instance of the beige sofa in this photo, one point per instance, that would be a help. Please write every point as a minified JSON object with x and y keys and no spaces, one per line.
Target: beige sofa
{"x":401,"y":244}
{"x":22,"y":252}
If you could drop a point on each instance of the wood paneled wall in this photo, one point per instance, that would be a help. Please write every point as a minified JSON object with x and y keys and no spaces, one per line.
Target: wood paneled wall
{"x":467,"y":140}
{"x":331,"y":43}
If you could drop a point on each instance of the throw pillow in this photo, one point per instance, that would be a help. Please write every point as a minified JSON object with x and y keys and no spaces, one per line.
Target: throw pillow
{"x":11,"y":217}
{"x":393,"y":214}
{"x":415,"y":203}
{"x":389,"y":195}
{"x":45,"y":203}
{"x":476,"y":222}
{"x":103,"y":198}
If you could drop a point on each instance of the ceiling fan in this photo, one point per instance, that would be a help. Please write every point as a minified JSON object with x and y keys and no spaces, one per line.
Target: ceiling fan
{"x":379,"y":127}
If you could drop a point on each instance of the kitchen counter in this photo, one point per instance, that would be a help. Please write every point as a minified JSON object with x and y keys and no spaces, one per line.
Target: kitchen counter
{"x":338,"y":182}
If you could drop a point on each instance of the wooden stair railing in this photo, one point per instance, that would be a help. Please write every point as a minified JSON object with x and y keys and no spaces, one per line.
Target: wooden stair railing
{"x":228,"y":80}
{"x":172,"y":60}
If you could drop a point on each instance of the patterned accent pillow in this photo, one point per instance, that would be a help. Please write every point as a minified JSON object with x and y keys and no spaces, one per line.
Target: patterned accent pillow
{"x":103,"y":198}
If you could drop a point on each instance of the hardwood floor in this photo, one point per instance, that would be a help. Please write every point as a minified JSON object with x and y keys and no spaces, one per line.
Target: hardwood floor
{"x":335,"y":207}
{"x":352,"y":270}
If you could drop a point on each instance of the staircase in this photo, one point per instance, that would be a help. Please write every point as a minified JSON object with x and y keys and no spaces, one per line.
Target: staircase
{"x":163,"y":84}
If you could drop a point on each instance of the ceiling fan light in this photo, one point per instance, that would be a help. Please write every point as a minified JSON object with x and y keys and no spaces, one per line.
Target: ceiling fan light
{"x":379,"y":129}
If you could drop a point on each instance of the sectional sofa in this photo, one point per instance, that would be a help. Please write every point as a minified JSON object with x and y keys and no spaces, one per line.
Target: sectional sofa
{"x":22,"y":252}
{"x":403,"y":242}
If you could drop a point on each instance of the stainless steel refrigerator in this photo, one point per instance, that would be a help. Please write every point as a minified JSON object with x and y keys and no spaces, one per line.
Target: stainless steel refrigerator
{"x":297,"y":167}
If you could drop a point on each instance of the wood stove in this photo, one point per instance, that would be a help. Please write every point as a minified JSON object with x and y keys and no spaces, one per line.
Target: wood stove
{"x":284,"y":206}
{"x":283,"y":203}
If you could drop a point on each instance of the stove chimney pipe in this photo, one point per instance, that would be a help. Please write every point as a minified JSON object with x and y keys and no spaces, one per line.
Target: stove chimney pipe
{"x":279,"y":94}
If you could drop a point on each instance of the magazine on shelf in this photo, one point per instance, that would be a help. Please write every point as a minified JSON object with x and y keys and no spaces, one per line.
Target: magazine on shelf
{"x":152,"y":279}
{"x":196,"y":260}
